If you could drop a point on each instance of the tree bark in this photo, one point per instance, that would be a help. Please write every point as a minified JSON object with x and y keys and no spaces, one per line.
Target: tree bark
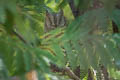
{"x":105,"y":73}
{"x":115,"y":27}
{"x":75,"y":10}
{"x":90,"y":75}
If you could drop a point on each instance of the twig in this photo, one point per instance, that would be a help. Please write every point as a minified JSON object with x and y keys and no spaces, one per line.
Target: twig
{"x":105,"y":73}
{"x":71,"y":74}
{"x":65,"y":71}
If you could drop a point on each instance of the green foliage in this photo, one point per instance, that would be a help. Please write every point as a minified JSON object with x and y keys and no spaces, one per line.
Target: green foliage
{"x":83,"y":4}
{"x":86,"y":41}
{"x":20,"y":57}
{"x":93,"y":44}
{"x":115,"y":17}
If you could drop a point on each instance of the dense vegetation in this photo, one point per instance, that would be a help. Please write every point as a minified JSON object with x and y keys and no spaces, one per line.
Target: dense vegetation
{"x":84,"y":43}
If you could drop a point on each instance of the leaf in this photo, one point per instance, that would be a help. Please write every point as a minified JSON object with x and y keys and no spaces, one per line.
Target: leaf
{"x":9,"y":23}
{"x":28,"y":61}
{"x":44,"y":53}
{"x":7,"y":53}
{"x":93,"y":58}
{"x":19,"y":62}
{"x":81,"y":55}
{"x":59,"y":54}
{"x":70,"y":55}
{"x":68,"y":13}
{"x":104,"y":56}
{"x":116,"y":17}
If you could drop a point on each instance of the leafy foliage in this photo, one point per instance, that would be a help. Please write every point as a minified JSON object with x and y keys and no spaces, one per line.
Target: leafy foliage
{"x":85,"y":42}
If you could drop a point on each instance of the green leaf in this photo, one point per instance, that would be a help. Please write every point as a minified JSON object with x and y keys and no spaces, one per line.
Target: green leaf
{"x":116,"y":17}
{"x":28,"y":61}
{"x":9,"y":23}
{"x":59,"y":54}
{"x":81,"y":55}
{"x":70,"y":55}
{"x":19,"y":62}
{"x":104,"y":55}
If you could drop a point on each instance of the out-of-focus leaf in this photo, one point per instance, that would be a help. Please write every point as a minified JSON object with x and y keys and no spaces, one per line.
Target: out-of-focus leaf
{"x":19,"y":62}
{"x":28,"y":61}
{"x":9,"y":23}
{"x":68,"y":13}
{"x":59,"y":54}
{"x":109,"y":5}
{"x":116,"y":16}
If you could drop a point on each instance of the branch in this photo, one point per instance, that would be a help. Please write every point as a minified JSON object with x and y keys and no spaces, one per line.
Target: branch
{"x":65,"y":71}
{"x":20,"y":37}
{"x":105,"y":73}
{"x":71,"y":74}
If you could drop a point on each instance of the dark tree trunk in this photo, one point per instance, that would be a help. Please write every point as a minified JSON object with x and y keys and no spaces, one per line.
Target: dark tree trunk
{"x":105,"y":73}
{"x":78,"y":12}
{"x":75,"y":10}
{"x":77,"y":71}
{"x":90,"y":75}
{"x":115,"y":27}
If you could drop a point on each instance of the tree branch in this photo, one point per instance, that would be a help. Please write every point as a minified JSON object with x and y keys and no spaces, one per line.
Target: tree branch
{"x":65,"y":71}
{"x":20,"y":37}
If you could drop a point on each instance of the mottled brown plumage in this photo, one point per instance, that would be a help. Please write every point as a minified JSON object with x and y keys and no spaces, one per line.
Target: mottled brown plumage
{"x":54,"y":20}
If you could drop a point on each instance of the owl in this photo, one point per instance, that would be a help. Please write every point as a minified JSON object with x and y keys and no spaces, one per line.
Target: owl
{"x":54,"y":20}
